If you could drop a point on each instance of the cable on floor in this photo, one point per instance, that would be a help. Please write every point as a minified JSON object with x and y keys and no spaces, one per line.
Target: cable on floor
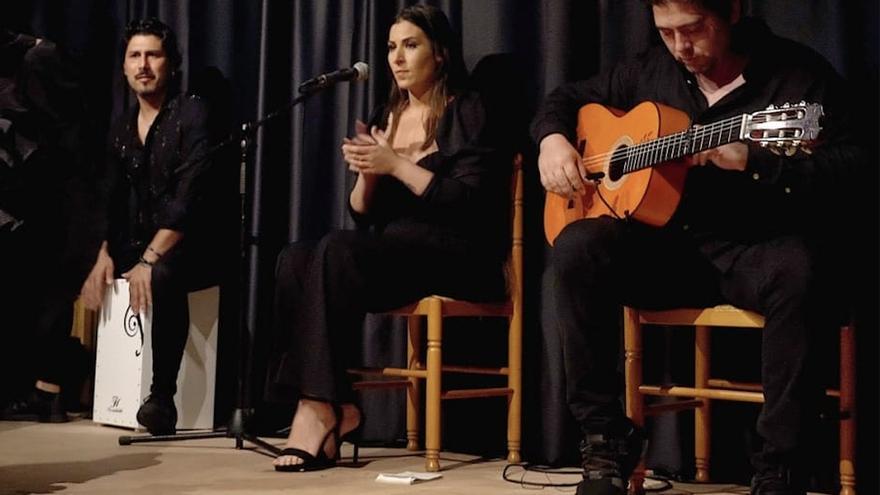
{"x":516,"y":473}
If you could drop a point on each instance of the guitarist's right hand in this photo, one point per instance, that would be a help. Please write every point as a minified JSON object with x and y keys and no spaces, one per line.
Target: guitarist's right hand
{"x":560,"y":166}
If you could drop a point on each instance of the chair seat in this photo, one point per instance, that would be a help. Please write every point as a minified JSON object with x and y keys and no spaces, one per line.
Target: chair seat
{"x":455,"y":307}
{"x":723,"y":315}
{"x":706,"y":389}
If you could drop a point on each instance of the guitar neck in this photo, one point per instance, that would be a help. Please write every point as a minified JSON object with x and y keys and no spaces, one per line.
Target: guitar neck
{"x":688,"y":142}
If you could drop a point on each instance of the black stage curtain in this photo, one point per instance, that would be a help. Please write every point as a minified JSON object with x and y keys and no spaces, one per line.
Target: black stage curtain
{"x":299,"y":184}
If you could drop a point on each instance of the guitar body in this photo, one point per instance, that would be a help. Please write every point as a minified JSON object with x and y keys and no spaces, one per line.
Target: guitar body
{"x":650,"y":195}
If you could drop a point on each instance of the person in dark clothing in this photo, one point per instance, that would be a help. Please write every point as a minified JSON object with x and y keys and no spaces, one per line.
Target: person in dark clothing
{"x":157,"y":209}
{"x":741,"y":234}
{"x":431,"y":205}
{"x":45,"y":166}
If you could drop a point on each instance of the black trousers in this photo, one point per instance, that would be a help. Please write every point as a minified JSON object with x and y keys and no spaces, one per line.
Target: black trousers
{"x":37,"y":293}
{"x":324,"y":290}
{"x":601,"y":264}
{"x":174,"y":276}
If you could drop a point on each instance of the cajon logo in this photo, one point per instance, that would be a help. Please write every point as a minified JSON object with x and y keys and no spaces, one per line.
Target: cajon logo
{"x":132,"y":326}
{"x":114,"y":404}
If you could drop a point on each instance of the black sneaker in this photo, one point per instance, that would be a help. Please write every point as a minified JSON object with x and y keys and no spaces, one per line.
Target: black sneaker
{"x":158,"y":415}
{"x":41,"y":406}
{"x":609,"y":458}
{"x":777,"y":480}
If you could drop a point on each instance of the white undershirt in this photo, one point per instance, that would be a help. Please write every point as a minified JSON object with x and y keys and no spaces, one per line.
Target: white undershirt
{"x":712,"y":97}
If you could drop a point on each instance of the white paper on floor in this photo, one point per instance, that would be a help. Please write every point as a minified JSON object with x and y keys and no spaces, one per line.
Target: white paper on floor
{"x":406,"y":477}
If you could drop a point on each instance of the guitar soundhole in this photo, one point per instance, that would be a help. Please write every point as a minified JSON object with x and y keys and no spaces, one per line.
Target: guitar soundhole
{"x":618,"y":161}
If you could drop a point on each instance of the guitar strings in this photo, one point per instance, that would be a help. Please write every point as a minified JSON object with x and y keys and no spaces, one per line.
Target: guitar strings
{"x":658,"y":148}
{"x":696,"y":132}
{"x":649,"y":148}
{"x":681,"y":137}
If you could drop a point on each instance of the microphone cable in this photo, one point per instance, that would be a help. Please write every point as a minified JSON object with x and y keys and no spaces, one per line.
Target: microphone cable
{"x":664,"y":483}
{"x":546,"y":471}
{"x":596,"y":179}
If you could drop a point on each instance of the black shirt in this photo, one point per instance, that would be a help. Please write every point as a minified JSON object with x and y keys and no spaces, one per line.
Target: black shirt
{"x":160,"y":184}
{"x":723,"y":210}
{"x":466,"y":206}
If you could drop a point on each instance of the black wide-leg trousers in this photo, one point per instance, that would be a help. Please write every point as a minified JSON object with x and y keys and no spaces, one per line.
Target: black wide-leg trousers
{"x":324,"y":290}
{"x":601,"y":264}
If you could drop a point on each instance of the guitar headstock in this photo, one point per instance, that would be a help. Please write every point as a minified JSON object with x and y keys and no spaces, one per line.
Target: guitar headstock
{"x":784,"y":129}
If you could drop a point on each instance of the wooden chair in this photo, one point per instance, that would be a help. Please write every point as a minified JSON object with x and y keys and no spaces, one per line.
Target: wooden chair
{"x":435,"y":308}
{"x":85,"y":325}
{"x":706,"y":389}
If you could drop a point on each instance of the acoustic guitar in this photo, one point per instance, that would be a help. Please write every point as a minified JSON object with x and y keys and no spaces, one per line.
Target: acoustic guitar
{"x":630,"y":157}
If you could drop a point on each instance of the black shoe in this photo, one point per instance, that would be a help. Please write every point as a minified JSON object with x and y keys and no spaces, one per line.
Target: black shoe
{"x":41,"y":406}
{"x":609,"y":458}
{"x":158,"y":415}
{"x":776,"y":480}
{"x":354,"y":436}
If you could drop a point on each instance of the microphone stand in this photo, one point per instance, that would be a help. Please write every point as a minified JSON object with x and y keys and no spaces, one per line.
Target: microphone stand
{"x":237,"y":426}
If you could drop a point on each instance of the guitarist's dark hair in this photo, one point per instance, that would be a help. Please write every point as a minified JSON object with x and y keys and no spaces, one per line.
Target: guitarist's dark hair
{"x":721,"y":8}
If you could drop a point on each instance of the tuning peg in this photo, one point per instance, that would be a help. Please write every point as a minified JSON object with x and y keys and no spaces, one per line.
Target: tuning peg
{"x":771,"y":107}
{"x":786,"y":105}
{"x":790,"y":150}
{"x":808,"y":151}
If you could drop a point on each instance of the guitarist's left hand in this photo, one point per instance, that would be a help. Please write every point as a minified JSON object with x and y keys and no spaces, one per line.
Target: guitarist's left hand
{"x":731,"y":156}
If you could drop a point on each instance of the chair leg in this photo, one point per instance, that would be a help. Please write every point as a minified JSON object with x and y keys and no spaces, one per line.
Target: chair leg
{"x":433,"y":386}
{"x":702,"y":414}
{"x":847,"y":411}
{"x":514,"y":382}
{"x":635,"y":402}
{"x":413,"y":395}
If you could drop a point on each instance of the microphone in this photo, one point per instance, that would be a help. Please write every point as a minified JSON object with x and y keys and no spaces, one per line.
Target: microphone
{"x":359,"y":72}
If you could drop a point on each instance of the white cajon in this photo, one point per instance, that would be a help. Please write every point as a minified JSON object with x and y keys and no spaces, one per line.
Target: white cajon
{"x":123,"y":366}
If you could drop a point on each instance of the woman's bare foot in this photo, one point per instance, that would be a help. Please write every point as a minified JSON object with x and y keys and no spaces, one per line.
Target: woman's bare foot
{"x":312,"y":425}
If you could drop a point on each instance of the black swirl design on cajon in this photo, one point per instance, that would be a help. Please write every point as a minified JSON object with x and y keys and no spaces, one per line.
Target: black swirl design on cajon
{"x":133,"y":326}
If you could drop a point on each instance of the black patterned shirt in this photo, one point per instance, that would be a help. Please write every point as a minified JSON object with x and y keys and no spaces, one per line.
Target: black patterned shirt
{"x":158,"y":184}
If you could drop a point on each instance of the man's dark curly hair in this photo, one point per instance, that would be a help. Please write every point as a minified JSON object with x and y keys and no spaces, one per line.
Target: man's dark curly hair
{"x":159,"y":29}
{"x":721,"y":8}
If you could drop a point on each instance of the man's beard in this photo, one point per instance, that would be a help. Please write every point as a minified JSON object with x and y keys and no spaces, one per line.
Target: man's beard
{"x":153,"y":87}
{"x":150,"y":91}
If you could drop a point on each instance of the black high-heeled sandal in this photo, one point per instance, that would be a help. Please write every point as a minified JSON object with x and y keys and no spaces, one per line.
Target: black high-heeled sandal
{"x":309,"y":462}
{"x":315,"y":462}
{"x":354,"y":436}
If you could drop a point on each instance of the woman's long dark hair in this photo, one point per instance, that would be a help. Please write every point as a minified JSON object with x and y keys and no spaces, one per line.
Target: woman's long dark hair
{"x":451,"y":77}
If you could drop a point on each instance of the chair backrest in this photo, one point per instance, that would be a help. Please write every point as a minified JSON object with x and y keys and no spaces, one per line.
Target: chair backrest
{"x":514,"y":265}
{"x":499,"y":79}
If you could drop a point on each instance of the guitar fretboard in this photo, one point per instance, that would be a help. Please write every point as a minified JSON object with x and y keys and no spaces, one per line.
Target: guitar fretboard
{"x":692,"y":140}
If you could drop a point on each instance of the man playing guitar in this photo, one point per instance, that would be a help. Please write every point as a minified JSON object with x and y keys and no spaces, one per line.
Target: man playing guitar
{"x":741,"y":232}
